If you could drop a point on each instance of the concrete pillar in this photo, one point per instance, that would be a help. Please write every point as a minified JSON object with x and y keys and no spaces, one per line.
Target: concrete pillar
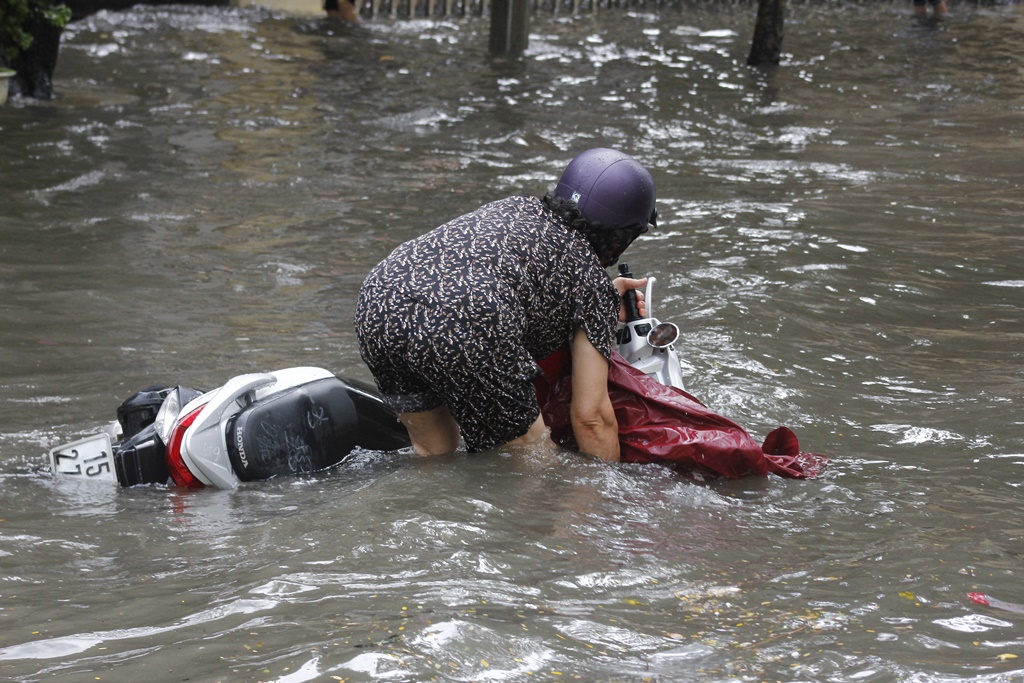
{"x":766,"y":47}
{"x":510,"y":26}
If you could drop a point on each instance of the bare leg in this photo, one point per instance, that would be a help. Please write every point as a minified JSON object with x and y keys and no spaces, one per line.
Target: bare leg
{"x":537,"y":435}
{"x":346,"y":11}
{"x":432,"y":432}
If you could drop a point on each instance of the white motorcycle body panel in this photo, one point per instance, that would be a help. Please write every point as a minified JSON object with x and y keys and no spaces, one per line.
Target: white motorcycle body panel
{"x":204,"y":448}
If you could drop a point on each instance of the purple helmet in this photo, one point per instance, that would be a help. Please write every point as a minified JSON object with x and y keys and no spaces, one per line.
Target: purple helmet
{"x":610,"y":188}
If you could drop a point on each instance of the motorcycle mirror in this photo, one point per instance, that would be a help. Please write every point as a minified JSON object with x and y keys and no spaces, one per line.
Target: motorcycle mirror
{"x":663,"y":335}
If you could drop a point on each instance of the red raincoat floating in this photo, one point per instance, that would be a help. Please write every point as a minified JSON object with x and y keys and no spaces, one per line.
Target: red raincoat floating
{"x":665,"y":425}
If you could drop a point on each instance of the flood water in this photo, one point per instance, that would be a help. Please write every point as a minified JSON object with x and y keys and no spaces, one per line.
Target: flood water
{"x":840,"y":243}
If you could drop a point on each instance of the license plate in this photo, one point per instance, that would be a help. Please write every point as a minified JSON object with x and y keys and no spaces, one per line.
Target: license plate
{"x":89,"y":458}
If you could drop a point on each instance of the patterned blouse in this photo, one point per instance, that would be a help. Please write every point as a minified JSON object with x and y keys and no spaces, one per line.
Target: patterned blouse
{"x":495,"y":290}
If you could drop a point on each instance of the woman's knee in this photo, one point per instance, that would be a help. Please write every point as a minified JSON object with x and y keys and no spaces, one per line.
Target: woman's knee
{"x":432,"y":432}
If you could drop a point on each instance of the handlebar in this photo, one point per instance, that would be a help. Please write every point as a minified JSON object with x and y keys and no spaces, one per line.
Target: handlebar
{"x":629,"y":298}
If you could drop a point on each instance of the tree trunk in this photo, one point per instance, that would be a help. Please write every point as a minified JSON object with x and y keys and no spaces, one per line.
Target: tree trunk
{"x":766,"y":47}
{"x":35,"y":65}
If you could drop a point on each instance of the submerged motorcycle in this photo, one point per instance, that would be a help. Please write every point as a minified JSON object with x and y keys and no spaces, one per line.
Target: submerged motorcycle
{"x":257,"y":426}
{"x":291,"y":421}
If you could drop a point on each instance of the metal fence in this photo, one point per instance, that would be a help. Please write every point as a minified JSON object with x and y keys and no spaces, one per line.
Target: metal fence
{"x":461,"y":8}
{"x":477,"y":8}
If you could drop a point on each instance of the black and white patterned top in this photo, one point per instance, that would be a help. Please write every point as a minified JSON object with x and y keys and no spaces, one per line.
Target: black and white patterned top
{"x":460,"y":315}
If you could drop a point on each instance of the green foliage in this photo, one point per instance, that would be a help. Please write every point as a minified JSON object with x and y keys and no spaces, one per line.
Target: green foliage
{"x":14,"y":39}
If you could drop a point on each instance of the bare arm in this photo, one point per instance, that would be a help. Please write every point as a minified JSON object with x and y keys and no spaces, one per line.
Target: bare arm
{"x":593,"y":419}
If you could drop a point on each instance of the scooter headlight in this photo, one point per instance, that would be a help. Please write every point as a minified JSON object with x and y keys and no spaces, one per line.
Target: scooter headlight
{"x":167,"y":415}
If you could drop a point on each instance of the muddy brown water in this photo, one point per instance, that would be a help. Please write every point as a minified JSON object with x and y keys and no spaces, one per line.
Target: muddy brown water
{"x":840,"y":245}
